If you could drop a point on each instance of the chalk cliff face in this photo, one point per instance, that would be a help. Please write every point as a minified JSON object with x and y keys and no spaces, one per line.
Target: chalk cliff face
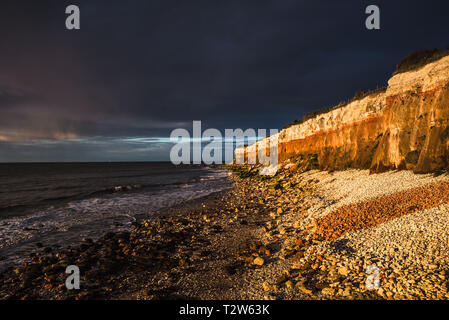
{"x":404,"y":127}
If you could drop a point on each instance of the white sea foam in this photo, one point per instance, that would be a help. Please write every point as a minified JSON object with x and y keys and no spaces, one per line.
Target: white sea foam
{"x":67,"y":224}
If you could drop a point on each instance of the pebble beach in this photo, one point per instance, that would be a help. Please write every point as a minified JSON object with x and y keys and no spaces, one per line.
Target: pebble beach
{"x":310,"y":235}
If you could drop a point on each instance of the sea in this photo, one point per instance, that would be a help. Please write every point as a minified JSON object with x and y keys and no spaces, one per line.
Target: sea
{"x":59,"y":204}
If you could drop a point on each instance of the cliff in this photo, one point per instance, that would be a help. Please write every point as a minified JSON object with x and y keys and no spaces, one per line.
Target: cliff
{"x":404,"y":127}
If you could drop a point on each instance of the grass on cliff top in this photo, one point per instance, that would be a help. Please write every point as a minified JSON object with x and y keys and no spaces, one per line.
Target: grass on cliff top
{"x":358,"y":96}
{"x":413,"y":61}
{"x":418,"y":59}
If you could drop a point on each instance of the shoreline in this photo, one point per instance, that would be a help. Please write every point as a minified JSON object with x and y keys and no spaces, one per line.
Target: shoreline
{"x":19,"y":283}
{"x":67,"y":222}
{"x":258,"y":240}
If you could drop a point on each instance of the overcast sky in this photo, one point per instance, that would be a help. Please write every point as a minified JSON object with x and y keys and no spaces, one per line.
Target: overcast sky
{"x":114,"y":90}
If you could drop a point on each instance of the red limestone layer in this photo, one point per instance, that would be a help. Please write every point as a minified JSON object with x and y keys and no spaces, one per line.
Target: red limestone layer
{"x":404,"y":127}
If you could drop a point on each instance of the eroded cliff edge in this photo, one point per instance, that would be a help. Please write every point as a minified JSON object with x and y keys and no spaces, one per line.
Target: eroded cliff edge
{"x":405,"y":126}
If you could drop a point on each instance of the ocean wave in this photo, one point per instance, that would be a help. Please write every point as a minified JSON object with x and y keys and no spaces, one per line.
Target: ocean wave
{"x":91,"y":216}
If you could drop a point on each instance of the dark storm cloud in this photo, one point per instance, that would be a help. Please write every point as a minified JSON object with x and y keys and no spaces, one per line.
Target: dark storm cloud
{"x":142,"y":68}
{"x":10,"y":98}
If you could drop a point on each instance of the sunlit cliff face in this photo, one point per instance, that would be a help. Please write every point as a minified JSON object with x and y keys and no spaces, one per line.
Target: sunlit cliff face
{"x":405,"y":127}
